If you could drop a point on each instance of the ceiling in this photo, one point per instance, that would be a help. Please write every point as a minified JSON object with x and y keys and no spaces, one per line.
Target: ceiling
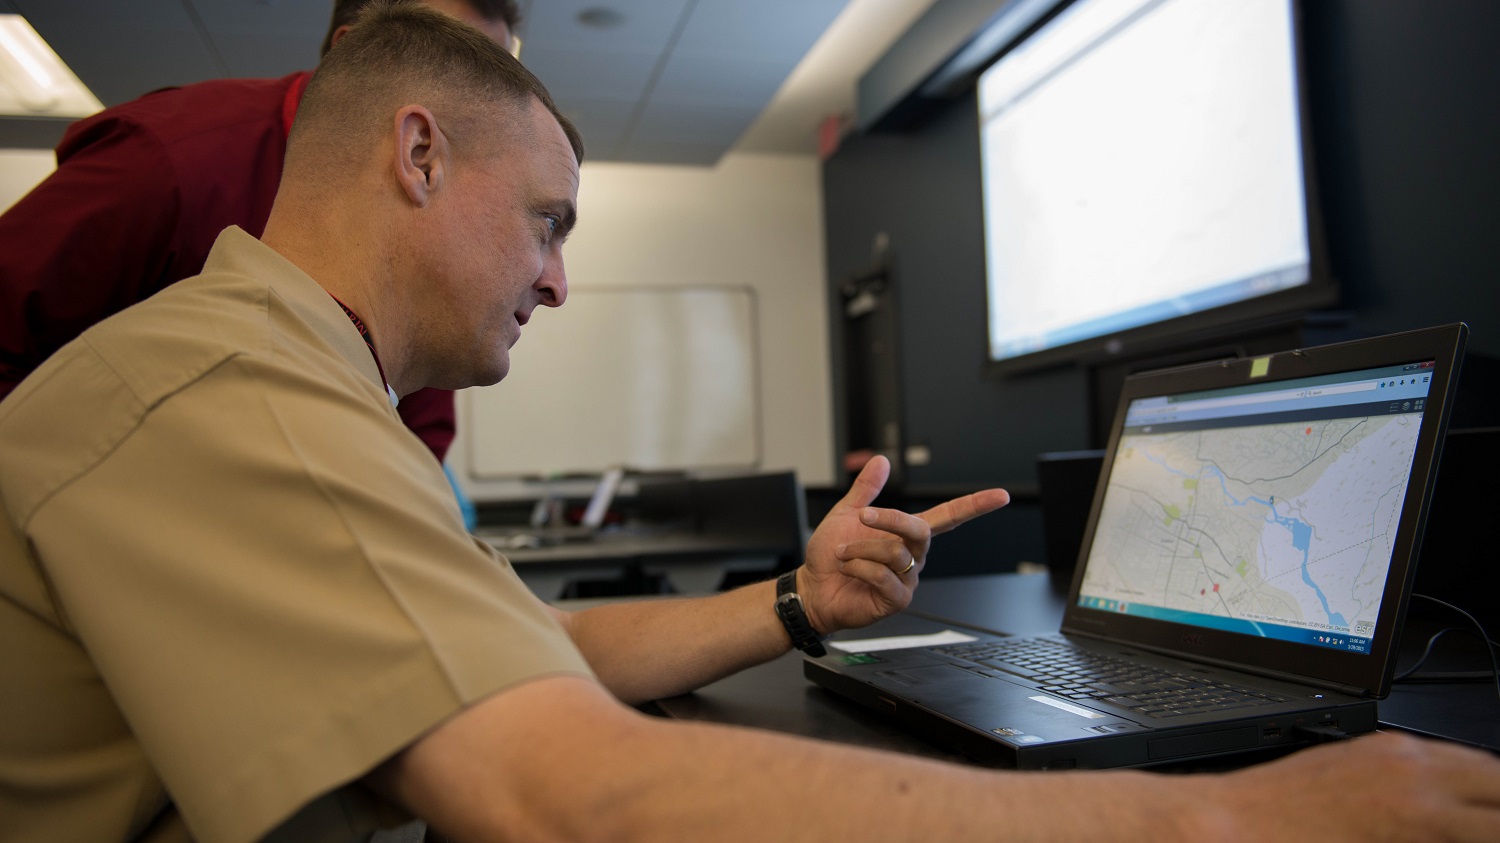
{"x":668,"y":82}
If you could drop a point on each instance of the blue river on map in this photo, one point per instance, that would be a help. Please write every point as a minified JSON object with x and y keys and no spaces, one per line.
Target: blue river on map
{"x":1300,"y":530}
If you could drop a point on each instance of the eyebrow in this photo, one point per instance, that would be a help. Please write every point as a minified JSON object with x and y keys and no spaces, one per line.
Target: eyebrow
{"x":567,"y":214}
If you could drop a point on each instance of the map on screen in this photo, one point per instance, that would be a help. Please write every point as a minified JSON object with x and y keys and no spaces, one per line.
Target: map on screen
{"x":1278,"y":523}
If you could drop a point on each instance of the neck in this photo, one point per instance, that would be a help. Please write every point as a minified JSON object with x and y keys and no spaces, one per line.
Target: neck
{"x":353,"y":261}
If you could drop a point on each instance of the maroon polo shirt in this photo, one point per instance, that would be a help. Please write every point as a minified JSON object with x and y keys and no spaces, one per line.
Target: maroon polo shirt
{"x":140,"y":193}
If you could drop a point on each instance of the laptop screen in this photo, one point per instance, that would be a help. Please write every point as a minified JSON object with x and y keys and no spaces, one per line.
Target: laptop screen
{"x":1269,"y":509}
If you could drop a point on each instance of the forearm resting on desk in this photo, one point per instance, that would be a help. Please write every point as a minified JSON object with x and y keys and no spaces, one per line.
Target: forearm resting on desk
{"x":559,"y":759}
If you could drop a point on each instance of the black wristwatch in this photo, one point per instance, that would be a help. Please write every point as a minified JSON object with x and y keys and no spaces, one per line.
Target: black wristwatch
{"x":794,"y":618}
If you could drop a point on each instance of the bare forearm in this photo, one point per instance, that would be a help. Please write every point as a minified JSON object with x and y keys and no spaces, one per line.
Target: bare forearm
{"x":703,"y":782}
{"x":617,"y":775}
{"x":650,"y":649}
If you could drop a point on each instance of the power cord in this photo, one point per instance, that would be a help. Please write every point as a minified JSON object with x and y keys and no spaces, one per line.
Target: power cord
{"x":1411,"y":675}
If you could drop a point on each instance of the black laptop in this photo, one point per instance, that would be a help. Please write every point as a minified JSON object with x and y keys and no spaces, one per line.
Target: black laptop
{"x":1241,"y":581}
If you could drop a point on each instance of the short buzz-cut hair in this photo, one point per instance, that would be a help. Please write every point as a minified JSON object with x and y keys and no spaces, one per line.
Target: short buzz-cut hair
{"x":400,"y":52}
{"x":345,"y":11}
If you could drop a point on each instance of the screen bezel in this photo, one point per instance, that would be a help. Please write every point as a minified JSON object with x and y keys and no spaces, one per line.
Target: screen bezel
{"x":1188,"y":330}
{"x":1367,"y":673}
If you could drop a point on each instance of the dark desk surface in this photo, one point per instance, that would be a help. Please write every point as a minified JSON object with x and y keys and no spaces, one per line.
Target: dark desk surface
{"x":776,"y":696}
{"x":1464,"y":711}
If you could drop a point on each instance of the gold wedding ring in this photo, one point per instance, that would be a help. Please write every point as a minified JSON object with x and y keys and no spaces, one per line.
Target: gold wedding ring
{"x":909,"y":566}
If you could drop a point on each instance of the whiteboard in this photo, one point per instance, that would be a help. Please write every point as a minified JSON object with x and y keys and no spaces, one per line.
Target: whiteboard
{"x":648,"y":378}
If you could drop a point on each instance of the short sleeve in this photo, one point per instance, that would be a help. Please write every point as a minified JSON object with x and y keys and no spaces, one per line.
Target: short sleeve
{"x":276,"y":586}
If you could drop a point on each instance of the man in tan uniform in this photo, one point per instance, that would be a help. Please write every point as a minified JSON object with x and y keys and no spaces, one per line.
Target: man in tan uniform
{"x":222,"y":619}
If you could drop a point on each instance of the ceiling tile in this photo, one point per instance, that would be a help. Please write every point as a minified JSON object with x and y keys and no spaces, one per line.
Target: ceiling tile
{"x":647,"y":26}
{"x":85,"y":14}
{"x":264,"y":56}
{"x":694,"y":123}
{"x":703,"y":69}
{"x":599,"y":74}
{"x":601,"y":122}
{"x":90,"y":36}
{"x":767,"y":30}
{"x":750,"y":82}
{"x":174,"y":61}
{"x":266,"y":39}
{"x":297,"y":20}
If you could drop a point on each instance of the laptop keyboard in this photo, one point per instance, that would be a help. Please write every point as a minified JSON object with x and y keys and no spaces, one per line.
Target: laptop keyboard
{"x":1068,"y":672}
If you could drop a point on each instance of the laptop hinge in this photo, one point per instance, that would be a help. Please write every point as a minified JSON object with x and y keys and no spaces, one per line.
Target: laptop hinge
{"x":1295,"y":678}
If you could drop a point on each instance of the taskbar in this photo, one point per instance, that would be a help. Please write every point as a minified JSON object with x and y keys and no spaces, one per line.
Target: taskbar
{"x":1333,"y":639}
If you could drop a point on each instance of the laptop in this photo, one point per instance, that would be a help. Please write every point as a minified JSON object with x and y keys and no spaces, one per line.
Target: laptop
{"x":1241,"y":581}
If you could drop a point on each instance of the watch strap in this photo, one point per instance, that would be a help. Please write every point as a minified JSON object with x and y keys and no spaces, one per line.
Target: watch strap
{"x":794,"y":617}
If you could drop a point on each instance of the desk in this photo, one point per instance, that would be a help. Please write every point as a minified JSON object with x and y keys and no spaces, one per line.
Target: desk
{"x":776,"y":696}
{"x":1467,"y":711}
{"x":693,"y":534}
{"x":693,"y":563}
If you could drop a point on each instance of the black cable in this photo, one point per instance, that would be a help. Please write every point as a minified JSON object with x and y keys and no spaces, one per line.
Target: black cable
{"x":1483,"y":636}
{"x":1422,"y":659}
{"x":1442,"y":676}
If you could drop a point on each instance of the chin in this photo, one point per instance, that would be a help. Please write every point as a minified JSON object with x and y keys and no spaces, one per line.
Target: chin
{"x":454,"y":378}
{"x":491,"y":375}
{"x":491,"y":380}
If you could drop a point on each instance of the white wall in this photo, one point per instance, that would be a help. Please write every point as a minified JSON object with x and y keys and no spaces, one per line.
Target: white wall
{"x":20,"y":170}
{"x":752,"y":221}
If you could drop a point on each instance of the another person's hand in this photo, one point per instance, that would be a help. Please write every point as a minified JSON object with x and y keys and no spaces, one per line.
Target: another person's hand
{"x":863,"y":563}
{"x":1376,"y":787}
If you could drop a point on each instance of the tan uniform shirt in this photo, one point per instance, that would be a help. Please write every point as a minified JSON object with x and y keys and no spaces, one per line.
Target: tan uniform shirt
{"x":231,"y":582}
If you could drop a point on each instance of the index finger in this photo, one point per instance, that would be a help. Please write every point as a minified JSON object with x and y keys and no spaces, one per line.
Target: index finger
{"x":945,"y":516}
{"x":902,"y":525}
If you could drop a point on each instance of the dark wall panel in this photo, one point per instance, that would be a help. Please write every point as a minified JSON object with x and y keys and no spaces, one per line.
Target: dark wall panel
{"x":922,"y":190}
{"x":1406,"y":127}
{"x":1406,"y":115}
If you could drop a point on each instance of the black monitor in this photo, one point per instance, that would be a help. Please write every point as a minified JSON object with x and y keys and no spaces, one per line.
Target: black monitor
{"x":1146,"y":179}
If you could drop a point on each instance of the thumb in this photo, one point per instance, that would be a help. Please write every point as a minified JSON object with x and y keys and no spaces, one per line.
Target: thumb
{"x":868,"y":484}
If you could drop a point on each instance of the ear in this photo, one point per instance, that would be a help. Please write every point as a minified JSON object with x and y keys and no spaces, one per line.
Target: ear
{"x":338,"y":34}
{"x":422,"y":154}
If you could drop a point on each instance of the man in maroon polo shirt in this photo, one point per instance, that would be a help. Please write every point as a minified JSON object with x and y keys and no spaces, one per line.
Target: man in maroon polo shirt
{"x":143,"y":189}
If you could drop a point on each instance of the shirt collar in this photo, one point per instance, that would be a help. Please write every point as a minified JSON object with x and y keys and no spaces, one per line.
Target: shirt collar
{"x":364,"y":334}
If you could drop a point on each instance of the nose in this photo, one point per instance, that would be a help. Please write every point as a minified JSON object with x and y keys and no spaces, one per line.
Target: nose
{"x":553,"y":283}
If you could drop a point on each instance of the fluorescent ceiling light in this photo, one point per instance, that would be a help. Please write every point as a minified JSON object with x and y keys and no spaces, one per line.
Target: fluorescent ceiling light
{"x":34,"y":82}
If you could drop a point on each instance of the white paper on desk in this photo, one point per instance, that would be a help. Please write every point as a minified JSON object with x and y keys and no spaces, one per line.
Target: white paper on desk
{"x":903,"y":642}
